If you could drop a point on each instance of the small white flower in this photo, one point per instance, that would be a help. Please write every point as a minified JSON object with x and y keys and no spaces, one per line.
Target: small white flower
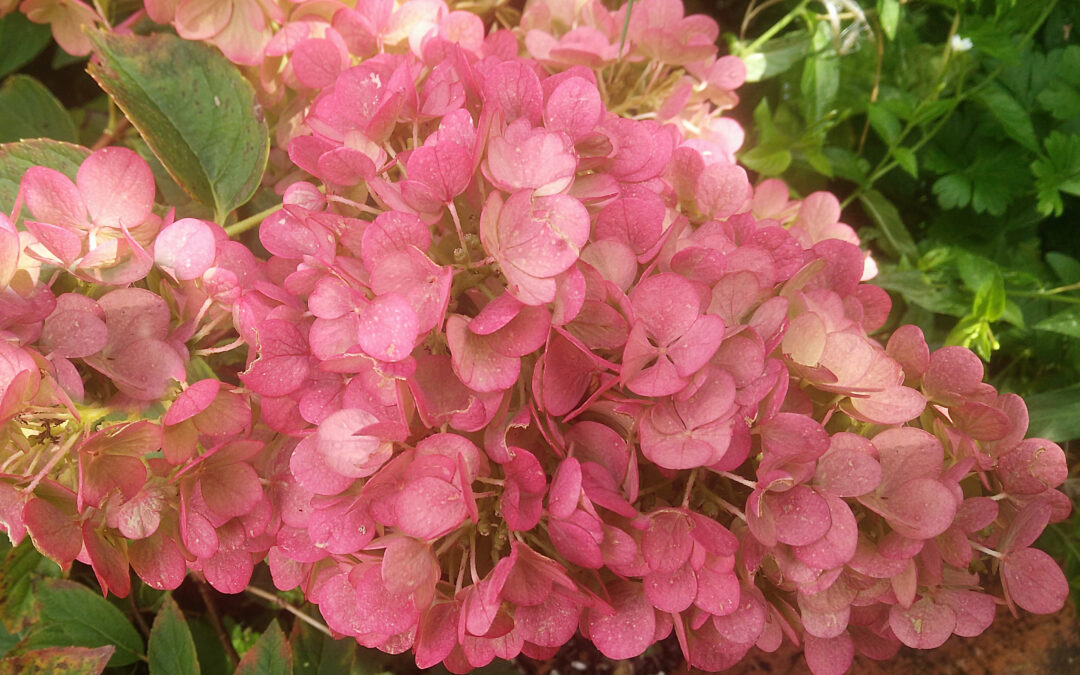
{"x":960,"y":44}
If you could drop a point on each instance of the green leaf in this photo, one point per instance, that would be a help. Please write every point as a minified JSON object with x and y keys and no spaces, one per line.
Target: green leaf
{"x":194,"y":109}
{"x":171,"y":650}
{"x":884,"y":122}
{"x":208,"y":647}
{"x":1014,"y":119}
{"x":271,"y":655}
{"x":1063,"y":323}
{"x":775,"y":56}
{"x":905,"y":157}
{"x":990,"y":298}
{"x":20,"y":41}
{"x":58,"y":661}
{"x":21,"y":569}
{"x":889,"y":16}
{"x":887,"y":218}
{"x":1065,"y":267}
{"x":72,"y":614}
{"x":820,"y":76}
{"x":953,"y":191}
{"x":16,"y":158}
{"x":29,"y":110}
{"x":766,"y":160}
{"x":1055,"y":415}
{"x":1058,"y":172}
{"x":1061,"y":100}
{"x":916,"y":289}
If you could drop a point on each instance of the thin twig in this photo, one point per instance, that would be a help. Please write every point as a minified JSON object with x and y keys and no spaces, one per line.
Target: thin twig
{"x":215,"y":622}
{"x":280,"y":603}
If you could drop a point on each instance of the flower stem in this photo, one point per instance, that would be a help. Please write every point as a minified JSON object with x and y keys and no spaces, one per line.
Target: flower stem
{"x":280,"y":603}
{"x":241,"y":226}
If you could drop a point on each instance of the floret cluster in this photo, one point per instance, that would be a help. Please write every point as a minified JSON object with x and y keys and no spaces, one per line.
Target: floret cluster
{"x":526,"y":354}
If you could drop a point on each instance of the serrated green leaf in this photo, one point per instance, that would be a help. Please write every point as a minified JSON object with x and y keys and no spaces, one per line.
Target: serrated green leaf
{"x":72,"y":614}
{"x":767,"y":161}
{"x":905,"y":157}
{"x":29,"y":110}
{"x":16,"y":158}
{"x":887,"y":218}
{"x":171,"y":650}
{"x":1014,"y":119}
{"x":889,"y":16}
{"x":20,"y":41}
{"x":1062,"y":100}
{"x":58,"y":661}
{"x":1062,"y":323}
{"x":847,"y":164}
{"x":271,"y":655}
{"x":953,"y":191}
{"x":193,"y":108}
{"x":1058,"y":172}
{"x":1055,"y":415}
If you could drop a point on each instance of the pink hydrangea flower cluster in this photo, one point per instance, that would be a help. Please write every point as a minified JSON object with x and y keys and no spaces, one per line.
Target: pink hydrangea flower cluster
{"x":530,"y":356}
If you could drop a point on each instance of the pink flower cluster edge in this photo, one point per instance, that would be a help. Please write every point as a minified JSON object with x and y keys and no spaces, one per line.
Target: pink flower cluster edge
{"x":528,"y":355}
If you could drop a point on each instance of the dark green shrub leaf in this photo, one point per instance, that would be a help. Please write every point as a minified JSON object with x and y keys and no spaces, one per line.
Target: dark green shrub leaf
{"x":20,"y":41}
{"x":72,"y":614}
{"x":1063,"y":323}
{"x":1055,"y":415}
{"x":171,"y":650}
{"x":884,"y":122}
{"x":1058,"y":172}
{"x":58,"y":661}
{"x":905,"y":157}
{"x":21,"y":569}
{"x":1065,"y":267}
{"x":887,"y":218}
{"x":1014,"y":119}
{"x":766,"y":160}
{"x":193,"y":108}
{"x":16,"y":158}
{"x":271,"y":655}
{"x":953,"y":191}
{"x":29,"y":110}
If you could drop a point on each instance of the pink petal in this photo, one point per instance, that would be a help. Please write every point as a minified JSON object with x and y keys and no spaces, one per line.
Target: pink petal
{"x":722,"y":190}
{"x":1034,"y":581}
{"x":73,"y":334}
{"x":186,"y":248}
{"x":629,"y":631}
{"x":344,"y":445}
{"x":574,"y":107}
{"x":475,"y":362}
{"x":118,"y":187}
{"x":158,"y":562}
{"x":829,"y":656}
{"x":388,"y":328}
{"x":231,"y":491}
{"x":52,"y":198}
{"x":924,"y":625}
{"x":428,"y":508}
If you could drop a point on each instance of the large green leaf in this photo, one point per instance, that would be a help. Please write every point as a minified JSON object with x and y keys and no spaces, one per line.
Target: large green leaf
{"x":1055,"y":415}
{"x":20,"y":570}
{"x":887,"y":217}
{"x":171,"y":650}
{"x":271,"y":655}
{"x":72,"y":614}
{"x":16,"y":158}
{"x":1014,"y":119}
{"x":1062,"y":323}
{"x":193,"y":108}
{"x":58,"y":661}
{"x":29,"y":110}
{"x":20,"y":41}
